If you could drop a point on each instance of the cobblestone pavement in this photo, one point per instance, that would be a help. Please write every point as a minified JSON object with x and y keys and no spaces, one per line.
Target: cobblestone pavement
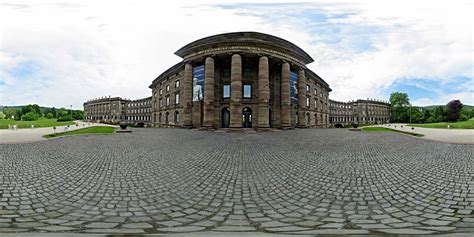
{"x":311,"y":181}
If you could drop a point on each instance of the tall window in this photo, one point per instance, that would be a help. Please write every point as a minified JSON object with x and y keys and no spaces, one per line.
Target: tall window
{"x":176,"y":84}
{"x":176,"y":117}
{"x":161,"y":91}
{"x":167,"y":101}
{"x":176,"y":99}
{"x":315,"y":103}
{"x":294,"y":87}
{"x":226,"y":91}
{"x":307,"y":101}
{"x":167,"y":88}
{"x":247,"y":91}
{"x":198,"y":83}
{"x":307,"y":89}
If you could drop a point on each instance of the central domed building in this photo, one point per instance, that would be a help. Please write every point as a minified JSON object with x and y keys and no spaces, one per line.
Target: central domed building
{"x":240,"y":80}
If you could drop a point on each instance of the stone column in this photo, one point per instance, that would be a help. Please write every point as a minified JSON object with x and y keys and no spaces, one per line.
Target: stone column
{"x":236,"y":92}
{"x":285,"y":96}
{"x":209,"y":93}
{"x":301,"y":98}
{"x":187,"y":95}
{"x":263,"y":93}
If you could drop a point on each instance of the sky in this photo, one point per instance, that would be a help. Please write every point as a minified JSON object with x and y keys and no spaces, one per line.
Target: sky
{"x":62,"y":53}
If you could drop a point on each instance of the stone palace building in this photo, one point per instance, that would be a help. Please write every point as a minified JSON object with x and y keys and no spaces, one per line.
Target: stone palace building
{"x":115,"y":109}
{"x":359,"y":112}
{"x":233,"y":80}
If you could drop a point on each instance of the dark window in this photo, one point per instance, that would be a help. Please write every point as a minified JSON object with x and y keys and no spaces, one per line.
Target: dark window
{"x":176,"y":84}
{"x":307,"y":88}
{"x":226,"y":91}
{"x":247,"y":91}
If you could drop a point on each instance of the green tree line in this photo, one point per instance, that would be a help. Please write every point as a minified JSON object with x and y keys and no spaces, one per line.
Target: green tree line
{"x":403,"y":112}
{"x":33,"y":112}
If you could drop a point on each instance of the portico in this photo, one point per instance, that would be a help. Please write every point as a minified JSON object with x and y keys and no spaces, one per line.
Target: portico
{"x":243,"y":79}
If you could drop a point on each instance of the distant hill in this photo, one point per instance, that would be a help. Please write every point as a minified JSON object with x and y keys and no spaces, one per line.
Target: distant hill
{"x":434,"y":106}
{"x":42,"y":108}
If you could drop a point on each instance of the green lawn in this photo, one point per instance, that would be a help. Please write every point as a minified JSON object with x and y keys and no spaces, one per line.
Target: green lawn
{"x":382,"y":129}
{"x":469,"y":124}
{"x":40,"y":123}
{"x":84,"y":131}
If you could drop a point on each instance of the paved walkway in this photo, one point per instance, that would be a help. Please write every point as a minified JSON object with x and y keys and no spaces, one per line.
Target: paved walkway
{"x":36,"y":134}
{"x":438,"y":134}
{"x":304,"y":181}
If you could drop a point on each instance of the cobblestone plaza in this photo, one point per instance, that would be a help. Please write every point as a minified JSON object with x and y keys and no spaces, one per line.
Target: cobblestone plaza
{"x":303,"y":181}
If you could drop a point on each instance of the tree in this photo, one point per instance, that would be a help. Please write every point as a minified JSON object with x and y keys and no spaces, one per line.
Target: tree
{"x":399,"y":105}
{"x":18,"y":114}
{"x":31,"y":108}
{"x":416,"y":115}
{"x":77,"y":114}
{"x":2,"y":115}
{"x":30,"y":116}
{"x":427,"y":116}
{"x":466,"y":113}
{"x":62,"y":112}
{"x":453,"y":110}
{"x":9,"y":112}
{"x":49,"y":115}
{"x":439,"y":114}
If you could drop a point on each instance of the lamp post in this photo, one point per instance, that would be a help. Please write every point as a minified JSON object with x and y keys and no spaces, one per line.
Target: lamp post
{"x":410,"y":113}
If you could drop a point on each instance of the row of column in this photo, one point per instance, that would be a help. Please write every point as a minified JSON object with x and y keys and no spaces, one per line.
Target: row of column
{"x":236,"y":93}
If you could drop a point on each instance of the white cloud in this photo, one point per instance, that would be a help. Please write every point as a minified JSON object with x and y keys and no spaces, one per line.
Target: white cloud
{"x":97,"y":48}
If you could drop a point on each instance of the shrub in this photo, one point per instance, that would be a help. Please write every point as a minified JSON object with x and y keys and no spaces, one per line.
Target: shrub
{"x":30,"y":116}
{"x":49,"y":116}
{"x":355,"y":125}
{"x":65,"y":118}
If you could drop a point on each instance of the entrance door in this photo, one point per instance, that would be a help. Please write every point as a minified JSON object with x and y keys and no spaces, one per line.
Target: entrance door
{"x":225,"y":117}
{"x":247,"y":117}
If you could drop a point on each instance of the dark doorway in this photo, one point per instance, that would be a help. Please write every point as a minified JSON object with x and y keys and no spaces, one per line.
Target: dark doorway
{"x":338,"y":125}
{"x":247,"y":117}
{"x":225,"y":117}
{"x":140,"y":125}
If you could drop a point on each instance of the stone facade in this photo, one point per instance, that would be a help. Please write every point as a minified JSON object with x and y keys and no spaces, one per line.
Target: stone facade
{"x":359,"y":111}
{"x":241,"y":80}
{"x":115,"y":110}
{"x":105,"y":109}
